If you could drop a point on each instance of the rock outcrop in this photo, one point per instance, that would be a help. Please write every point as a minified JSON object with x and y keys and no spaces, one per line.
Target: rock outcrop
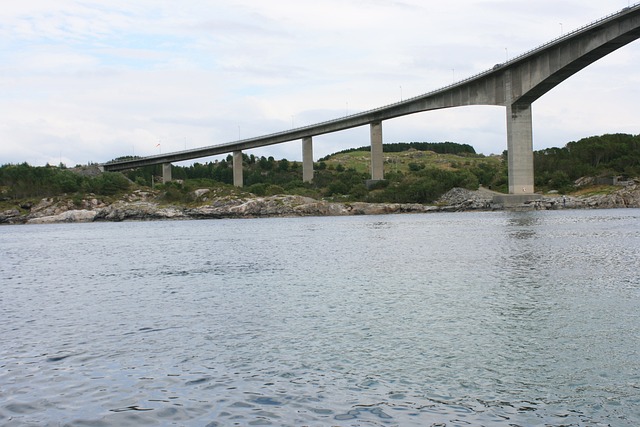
{"x":68,"y":216}
{"x":10,"y":216}
{"x":627,"y":197}
{"x":141,"y":206}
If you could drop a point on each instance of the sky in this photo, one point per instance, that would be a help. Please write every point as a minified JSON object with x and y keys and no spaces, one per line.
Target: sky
{"x":90,"y":80}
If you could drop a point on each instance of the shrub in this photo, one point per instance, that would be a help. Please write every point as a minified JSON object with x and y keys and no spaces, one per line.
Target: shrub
{"x":110,"y":183}
{"x":273,"y":190}
{"x":259,"y":189}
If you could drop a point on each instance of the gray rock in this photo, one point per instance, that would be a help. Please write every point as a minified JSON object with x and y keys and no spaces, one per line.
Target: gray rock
{"x":11,"y":216}
{"x":201,"y":192}
{"x":68,"y":216}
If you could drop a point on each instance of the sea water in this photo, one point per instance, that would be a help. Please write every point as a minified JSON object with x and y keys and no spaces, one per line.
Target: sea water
{"x":447,"y":319}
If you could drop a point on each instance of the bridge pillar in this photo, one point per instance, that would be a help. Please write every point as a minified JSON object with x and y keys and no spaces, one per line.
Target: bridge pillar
{"x":166,"y":173}
{"x":238,"y":180}
{"x":307,"y":159}
{"x":520,"y":148}
{"x":377,"y":159}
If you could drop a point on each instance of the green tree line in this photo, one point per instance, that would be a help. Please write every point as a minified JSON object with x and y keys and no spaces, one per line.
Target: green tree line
{"x":24,"y":181}
{"x":555,"y":168}
{"x":606,"y":155}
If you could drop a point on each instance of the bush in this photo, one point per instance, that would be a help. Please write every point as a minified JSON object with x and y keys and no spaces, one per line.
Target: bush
{"x":274,"y":190}
{"x":337,"y":188}
{"x":141,"y":181}
{"x":67,"y":182}
{"x":259,"y":189}
{"x":108,"y":184}
{"x":283,"y":165}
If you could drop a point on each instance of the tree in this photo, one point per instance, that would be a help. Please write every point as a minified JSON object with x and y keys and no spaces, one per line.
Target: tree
{"x":283,"y":165}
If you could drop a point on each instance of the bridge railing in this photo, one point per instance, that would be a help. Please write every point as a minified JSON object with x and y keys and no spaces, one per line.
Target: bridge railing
{"x":574,"y":32}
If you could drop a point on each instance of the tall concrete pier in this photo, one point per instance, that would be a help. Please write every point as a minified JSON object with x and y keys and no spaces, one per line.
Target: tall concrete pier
{"x":238,"y":177}
{"x":166,"y":173}
{"x":520,"y":148}
{"x":307,"y":159}
{"x":377,"y":159}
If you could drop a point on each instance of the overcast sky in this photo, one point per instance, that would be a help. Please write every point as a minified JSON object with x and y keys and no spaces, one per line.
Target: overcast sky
{"x":90,"y":80}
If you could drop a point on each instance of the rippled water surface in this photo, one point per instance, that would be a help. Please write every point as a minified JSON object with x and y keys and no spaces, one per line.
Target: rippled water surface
{"x":495,"y":319}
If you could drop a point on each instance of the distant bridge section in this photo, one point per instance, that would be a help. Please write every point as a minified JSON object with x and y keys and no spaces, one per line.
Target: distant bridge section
{"x":515,"y":84}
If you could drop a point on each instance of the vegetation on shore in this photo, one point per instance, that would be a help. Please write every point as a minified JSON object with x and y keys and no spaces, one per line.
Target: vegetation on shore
{"x":414,"y":173}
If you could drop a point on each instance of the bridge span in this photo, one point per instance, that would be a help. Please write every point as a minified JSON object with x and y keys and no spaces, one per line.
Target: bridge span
{"x":514,"y":84}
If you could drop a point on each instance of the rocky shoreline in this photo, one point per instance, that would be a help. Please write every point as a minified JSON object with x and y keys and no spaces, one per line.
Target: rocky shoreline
{"x":144,"y":206}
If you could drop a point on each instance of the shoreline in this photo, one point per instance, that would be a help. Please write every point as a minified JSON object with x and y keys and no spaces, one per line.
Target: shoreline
{"x":143,"y":206}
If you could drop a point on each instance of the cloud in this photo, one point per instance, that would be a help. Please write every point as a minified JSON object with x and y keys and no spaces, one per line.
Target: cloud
{"x":89,"y":80}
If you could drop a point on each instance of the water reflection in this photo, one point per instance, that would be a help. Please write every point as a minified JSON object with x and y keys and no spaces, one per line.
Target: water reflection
{"x":379,"y":225}
{"x":521,"y":225}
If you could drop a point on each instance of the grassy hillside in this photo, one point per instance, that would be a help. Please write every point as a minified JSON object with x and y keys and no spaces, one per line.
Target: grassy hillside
{"x":412,"y":160}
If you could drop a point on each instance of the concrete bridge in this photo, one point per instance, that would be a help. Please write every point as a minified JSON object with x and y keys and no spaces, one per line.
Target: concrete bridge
{"x":515,"y":84}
